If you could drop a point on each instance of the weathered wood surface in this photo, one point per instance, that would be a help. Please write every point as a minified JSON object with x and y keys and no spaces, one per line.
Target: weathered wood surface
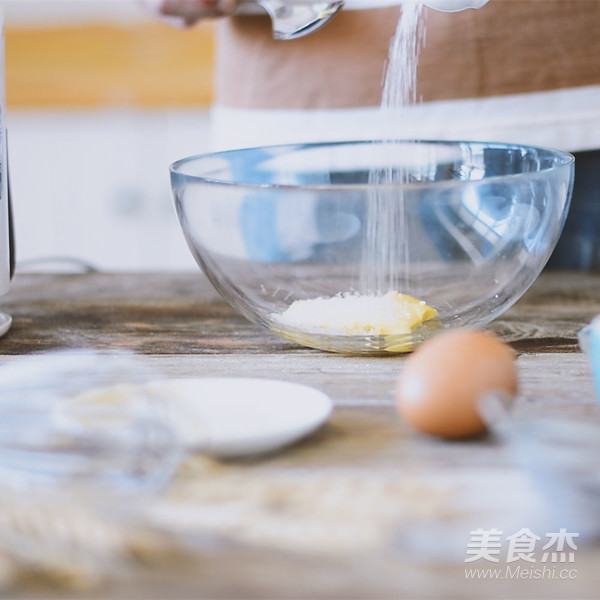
{"x":182,"y":314}
{"x":180,"y":327}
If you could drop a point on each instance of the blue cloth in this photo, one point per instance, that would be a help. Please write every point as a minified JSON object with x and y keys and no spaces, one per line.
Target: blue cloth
{"x":594,"y":351}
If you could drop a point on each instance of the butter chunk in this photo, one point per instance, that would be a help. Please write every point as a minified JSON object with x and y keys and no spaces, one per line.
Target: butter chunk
{"x":354,"y":314}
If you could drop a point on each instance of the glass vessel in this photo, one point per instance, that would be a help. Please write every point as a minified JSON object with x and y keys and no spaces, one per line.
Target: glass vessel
{"x":465,"y":227}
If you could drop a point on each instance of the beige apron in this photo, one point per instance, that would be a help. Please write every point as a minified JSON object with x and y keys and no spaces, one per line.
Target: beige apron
{"x":507,"y":47}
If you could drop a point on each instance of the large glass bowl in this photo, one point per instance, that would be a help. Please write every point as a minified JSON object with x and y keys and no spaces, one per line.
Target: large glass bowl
{"x":465,"y":227}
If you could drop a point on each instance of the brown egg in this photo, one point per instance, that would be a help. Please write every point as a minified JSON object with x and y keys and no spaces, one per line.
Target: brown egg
{"x":443,"y":380}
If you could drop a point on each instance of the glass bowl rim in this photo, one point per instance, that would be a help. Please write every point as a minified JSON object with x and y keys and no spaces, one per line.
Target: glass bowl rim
{"x":566,"y":160}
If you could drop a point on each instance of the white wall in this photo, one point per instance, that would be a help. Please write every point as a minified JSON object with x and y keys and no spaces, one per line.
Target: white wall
{"x":94,"y":185}
{"x":35,"y":12}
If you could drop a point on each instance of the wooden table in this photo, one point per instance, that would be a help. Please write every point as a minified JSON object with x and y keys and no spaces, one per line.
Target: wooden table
{"x":444,"y":491}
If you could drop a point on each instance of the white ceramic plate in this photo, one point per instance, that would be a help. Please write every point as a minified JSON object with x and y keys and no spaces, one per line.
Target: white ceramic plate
{"x":229,"y":417}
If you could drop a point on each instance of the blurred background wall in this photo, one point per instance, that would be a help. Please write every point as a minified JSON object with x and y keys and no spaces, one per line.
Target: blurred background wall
{"x":101,"y":99}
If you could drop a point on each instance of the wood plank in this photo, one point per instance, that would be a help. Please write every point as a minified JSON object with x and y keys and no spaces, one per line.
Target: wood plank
{"x":182,"y":314}
{"x":92,"y":65}
{"x":363,"y":465}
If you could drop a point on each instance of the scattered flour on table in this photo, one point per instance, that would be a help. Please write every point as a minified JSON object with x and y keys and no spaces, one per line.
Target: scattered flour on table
{"x":326,"y":512}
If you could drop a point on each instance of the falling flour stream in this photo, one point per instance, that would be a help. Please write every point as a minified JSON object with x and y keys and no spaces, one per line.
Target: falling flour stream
{"x":386,"y":260}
